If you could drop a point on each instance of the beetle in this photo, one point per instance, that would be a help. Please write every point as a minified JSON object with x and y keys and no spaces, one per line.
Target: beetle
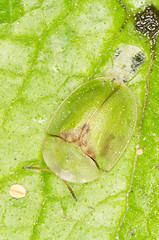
{"x":86,"y":134}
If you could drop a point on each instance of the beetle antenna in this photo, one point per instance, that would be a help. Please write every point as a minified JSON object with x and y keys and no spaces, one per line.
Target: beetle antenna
{"x":37,"y":168}
{"x":47,"y":170}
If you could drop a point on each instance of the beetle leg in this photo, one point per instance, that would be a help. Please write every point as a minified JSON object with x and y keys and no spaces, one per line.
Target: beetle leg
{"x":47,"y":170}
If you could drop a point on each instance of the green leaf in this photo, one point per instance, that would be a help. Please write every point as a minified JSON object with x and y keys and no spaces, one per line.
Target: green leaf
{"x":48,"y":49}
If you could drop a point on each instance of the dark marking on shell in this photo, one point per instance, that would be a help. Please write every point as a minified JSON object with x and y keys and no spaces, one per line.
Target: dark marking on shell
{"x":107,"y":144}
{"x":85,"y":128}
{"x":63,"y":135}
{"x":69,"y":136}
{"x":80,"y":137}
{"x":90,"y":153}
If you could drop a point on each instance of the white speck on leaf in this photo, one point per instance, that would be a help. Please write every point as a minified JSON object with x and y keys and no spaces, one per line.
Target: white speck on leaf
{"x":139,"y":152}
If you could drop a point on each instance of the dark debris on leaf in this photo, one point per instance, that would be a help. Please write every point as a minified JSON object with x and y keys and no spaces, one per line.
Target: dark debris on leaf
{"x":138,"y":61}
{"x":147,"y":22}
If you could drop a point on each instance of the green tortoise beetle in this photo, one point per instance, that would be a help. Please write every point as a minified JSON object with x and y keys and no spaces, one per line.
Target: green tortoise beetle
{"x":87,"y":134}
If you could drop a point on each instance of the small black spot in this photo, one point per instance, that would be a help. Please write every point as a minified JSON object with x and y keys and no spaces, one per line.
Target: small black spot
{"x":125,"y":80}
{"x":147,"y":22}
{"x":117,"y":52}
{"x":137,"y":61}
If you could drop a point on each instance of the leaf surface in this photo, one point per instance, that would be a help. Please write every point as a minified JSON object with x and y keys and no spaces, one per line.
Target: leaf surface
{"x":48,"y":49}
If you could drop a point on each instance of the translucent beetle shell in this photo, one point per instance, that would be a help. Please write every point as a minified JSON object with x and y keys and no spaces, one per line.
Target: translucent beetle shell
{"x":90,"y":130}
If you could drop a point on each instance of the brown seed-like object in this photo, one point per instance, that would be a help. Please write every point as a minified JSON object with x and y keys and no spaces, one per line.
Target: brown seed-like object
{"x":17,"y":191}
